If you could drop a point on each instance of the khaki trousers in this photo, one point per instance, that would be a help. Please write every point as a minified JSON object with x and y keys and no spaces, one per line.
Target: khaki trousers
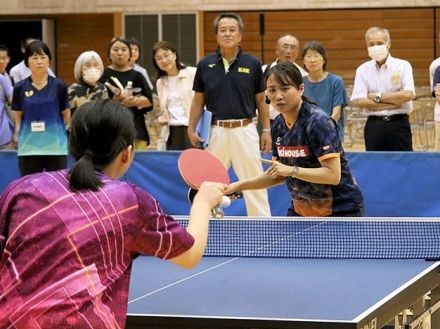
{"x":240,"y":147}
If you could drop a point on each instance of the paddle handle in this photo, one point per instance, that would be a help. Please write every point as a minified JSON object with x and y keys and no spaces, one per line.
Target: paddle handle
{"x":217,"y":212}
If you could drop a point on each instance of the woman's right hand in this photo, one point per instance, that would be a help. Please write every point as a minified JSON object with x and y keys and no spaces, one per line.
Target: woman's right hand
{"x":162,"y":120}
{"x":210,"y":193}
{"x":233,"y":188}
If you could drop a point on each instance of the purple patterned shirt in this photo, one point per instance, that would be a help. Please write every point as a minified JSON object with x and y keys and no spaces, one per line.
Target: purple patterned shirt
{"x":65,"y":258}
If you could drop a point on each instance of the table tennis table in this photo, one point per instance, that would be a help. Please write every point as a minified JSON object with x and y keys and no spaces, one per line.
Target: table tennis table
{"x":307,"y":289}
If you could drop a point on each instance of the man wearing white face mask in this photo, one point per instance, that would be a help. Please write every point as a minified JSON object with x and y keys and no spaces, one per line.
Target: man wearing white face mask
{"x":384,"y":89}
{"x":88,"y":69}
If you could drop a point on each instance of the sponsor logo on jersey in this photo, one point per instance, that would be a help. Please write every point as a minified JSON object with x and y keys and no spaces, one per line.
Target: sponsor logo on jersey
{"x":292,"y":151}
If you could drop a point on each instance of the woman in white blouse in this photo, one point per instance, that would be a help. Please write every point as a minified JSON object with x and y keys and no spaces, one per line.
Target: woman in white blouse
{"x":174,"y":89}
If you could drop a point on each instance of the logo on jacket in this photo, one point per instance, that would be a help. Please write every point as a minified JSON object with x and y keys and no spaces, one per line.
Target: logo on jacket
{"x":211,"y":65}
{"x":244,"y":70}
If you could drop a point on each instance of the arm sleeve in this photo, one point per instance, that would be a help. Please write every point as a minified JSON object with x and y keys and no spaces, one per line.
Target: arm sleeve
{"x":323,"y":137}
{"x":71,"y":96}
{"x":103,"y":79}
{"x":360,"y":88}
{"x":64,"y":98}
{"x":156,"y":233}
{"x":198,"y":83}
{"x":16,"y":98}
{"x":340,"y":95}
{"x":6,"y":202}
{"x":7,"y":86}
{"x":259,"y":79}
{"x":436,"y":79}
{"x":407,"y":78}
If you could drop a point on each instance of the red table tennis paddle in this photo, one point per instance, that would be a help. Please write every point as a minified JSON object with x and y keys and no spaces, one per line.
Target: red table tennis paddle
{"x":197,"y":166}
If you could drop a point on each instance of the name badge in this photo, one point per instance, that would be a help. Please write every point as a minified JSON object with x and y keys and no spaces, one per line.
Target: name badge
{"x":37,"y":126}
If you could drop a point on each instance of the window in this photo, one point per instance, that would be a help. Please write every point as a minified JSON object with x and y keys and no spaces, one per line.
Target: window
{"x":179,"y":29}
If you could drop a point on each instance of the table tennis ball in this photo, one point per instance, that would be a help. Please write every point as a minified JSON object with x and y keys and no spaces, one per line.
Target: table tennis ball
{"x":226,"y":202}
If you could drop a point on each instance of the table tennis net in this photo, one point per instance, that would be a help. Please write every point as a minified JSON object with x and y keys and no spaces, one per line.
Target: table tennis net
{"x":378,"y":238}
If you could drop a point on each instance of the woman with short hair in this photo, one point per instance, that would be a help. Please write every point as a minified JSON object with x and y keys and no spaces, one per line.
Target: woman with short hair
{"x":325,"y":88}
{"x":41,"y":113}
{"x":87,"y":71}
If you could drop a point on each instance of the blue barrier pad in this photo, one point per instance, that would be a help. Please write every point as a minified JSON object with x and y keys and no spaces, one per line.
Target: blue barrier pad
{"x":394,"y":184}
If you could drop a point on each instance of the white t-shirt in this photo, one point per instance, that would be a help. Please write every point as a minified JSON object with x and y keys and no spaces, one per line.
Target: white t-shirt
{"x":177,"y":113}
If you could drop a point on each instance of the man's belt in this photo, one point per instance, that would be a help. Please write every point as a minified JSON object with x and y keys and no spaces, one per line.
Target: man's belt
{"x":231,"y":123}
{"x":388,"y":118}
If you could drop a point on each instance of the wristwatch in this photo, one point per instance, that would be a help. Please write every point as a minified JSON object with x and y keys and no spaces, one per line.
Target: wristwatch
{"x":378,"y":98}
{"x":294,"y":171}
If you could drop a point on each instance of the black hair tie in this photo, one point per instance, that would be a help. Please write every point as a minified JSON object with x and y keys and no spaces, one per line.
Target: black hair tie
{"x":88,"y":154}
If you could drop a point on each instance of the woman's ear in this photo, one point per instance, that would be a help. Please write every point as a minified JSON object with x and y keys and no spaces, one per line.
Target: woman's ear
{"x":127,"y":154}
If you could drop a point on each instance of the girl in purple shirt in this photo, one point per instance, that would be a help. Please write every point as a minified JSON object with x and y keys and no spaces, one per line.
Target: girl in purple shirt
{"x":68,"y":238}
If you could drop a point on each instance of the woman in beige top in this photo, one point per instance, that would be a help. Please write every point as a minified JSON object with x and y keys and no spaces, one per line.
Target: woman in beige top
{"x":174,"y":89}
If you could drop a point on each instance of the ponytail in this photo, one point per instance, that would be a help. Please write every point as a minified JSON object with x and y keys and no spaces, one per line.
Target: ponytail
{"x":83,"y":175}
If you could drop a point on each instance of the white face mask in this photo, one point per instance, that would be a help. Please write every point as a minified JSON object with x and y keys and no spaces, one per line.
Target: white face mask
{"x":378,"y":53}
{"x":91,"y":75}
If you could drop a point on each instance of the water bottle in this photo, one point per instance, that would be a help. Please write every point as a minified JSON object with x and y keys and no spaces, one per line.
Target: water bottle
{"x":129,"y":89}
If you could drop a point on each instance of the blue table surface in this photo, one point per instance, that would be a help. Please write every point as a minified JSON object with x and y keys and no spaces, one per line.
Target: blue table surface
{"x":267,"y":288}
